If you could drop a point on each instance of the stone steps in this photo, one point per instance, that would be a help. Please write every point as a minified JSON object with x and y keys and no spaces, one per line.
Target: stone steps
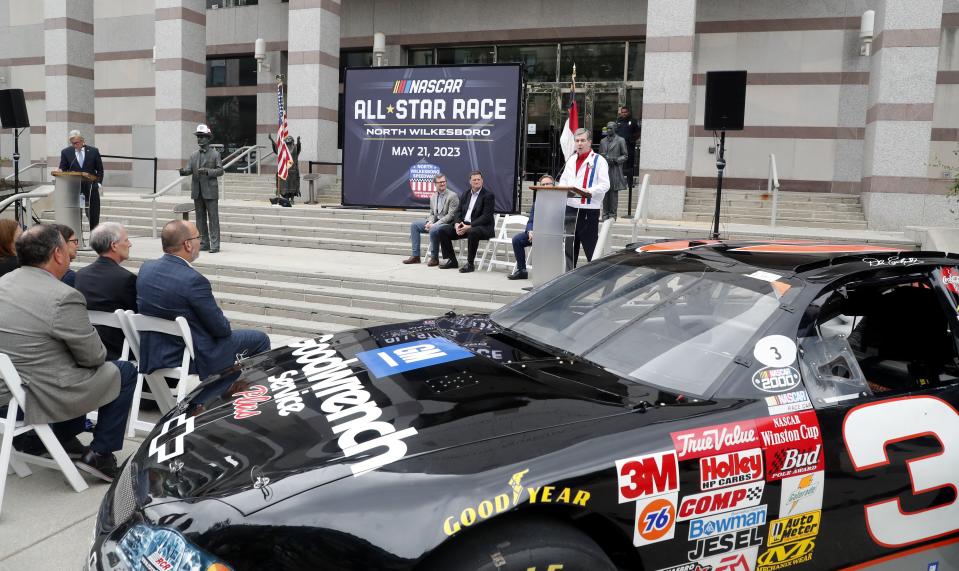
{"x":790,"y":222}
{"x":736,"y":211}
{"x":806,"y":209}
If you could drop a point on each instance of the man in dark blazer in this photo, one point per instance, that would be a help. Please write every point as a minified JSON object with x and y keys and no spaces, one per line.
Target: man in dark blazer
{"x":170,"y":287}
{"x":106,"y":284}
{"x":80,"y":157}
{"x":474,"y":221}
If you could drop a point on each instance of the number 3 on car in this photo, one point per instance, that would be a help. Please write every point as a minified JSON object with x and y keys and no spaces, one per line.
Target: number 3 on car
{"x":869,"y":428}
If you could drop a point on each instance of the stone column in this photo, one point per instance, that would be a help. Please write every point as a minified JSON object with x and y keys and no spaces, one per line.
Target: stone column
{"x":180,"y":79}
{"x":68,"y":57}
{"x":313,"y":79}
{"x":902,"y":89}
{"x":667,"y":90}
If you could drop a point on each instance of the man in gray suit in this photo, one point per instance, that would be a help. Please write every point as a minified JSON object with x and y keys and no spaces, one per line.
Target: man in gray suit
{"x":47,"y":334}
{"x":443,"y":207}
{"x":205,"y":166}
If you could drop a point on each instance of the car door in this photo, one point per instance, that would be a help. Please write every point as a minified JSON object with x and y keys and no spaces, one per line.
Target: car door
{"x":881,"y":366}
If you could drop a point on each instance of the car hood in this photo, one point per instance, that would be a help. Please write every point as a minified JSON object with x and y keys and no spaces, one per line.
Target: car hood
{"x":323,"y":409}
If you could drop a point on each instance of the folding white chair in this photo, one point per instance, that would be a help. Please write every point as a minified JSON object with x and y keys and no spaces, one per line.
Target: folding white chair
{"x":504,"y":237}
{"x":115,"y":320}
{"x":602,"y":243}
{"x":464,"y":243}
{"x":10,"y":427}
{"x":132,"y":324}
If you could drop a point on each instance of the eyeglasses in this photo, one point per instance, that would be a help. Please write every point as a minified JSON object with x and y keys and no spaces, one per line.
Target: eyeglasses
{"x":197,"y":237}
{"x":74,"y":240}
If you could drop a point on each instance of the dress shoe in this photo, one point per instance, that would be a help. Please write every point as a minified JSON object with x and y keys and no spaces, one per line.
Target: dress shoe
{"x":31,"y":444}
{"x":412,"y":260}
{"x":103,"y":466}
{"x":467,"y":268}
{"x":449,"y":264}
{"x":212,"y":251}
{"x":432,"y":262}
{"x":518,"y":275}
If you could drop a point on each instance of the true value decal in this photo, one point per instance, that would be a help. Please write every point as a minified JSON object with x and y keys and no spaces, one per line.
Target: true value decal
{"x":711,"y":440}
{"x":731,"y":468}
{"x":793,"y":444}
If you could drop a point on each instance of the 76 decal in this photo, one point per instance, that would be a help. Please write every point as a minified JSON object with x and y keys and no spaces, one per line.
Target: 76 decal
{"x":870,"y":428}
{"x":655,"y":519}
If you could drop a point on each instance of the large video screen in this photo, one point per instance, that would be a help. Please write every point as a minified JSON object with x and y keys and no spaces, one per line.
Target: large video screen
{"x":403,"y":125}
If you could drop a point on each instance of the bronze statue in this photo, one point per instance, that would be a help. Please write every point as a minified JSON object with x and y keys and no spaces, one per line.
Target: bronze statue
{"x":205,"y":166}
{"x":291,"y":186}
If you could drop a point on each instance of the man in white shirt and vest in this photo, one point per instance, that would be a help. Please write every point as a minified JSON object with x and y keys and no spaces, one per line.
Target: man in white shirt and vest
{"x":588,"y":172}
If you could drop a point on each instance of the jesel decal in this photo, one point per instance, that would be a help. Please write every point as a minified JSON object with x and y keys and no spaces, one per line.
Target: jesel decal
{"x":508,"y":500}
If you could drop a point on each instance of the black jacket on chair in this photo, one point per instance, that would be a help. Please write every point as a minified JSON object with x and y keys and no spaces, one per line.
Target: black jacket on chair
{"x":108,"y":286}
{"x":482,"y":210}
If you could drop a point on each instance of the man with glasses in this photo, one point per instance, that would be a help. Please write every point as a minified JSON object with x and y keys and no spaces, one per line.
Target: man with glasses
{"x":73,"y":244}
{"x":107,"y":285}
{"x":80,"y":157}
{"x":47,"y":334}
{"x":443,"y":206}
{"x":170,"y":287}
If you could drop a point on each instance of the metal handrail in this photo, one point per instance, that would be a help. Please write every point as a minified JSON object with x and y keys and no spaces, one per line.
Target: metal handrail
{"x":39,"y":192}
{"x":640,"y":213}
{"x":43,"y":175}
{"x":772,"y":185}
{"x":153,"y":196}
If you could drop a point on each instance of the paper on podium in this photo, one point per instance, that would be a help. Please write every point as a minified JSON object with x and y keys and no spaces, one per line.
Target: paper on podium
{"x":84,"y":175}
{"x":571,"y":191}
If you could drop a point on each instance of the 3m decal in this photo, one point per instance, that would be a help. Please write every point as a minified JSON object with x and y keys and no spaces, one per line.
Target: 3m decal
{"x":650,"y":475}
{"x":162,"y":452}
{"x":720,"y":544}
{"x":801,"y":494}
{"x":727,"y":522}
{"x":793,"y":444}
{"x":794,"y":528}
{"x":410,"y":356}
{"x":776,"y":379}
{"x":516,"y":493}
{"x":870,"y":428}
{"x":718,"y":501}
{"x":786,"y":555}
{"x":775,"y":350}
{"x":744,"y":560}
{"x":712,"y":440}
{"x":655,"y":519}
{"x":785,"y":403}
{"x":729,"y":469}
{"x":247,"y":402}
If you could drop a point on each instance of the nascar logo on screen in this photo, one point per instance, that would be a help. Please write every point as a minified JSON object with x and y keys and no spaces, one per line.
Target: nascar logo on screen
{"x":410,"y":356}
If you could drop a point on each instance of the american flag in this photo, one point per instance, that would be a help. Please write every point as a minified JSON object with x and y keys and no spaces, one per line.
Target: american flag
{"x":283,"y":159}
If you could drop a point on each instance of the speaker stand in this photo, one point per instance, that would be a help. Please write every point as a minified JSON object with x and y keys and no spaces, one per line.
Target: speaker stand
{"x":18,"y":213}
{"x":720,"y":166}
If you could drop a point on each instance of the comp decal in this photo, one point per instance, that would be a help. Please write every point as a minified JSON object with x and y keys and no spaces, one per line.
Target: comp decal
{"x":793,"y":444}
{"x":785,"y":403}
{"x":410,"y":356}
{"x":514,"y":495}
{"x":727,"y":522}
{"x":801,"y":494}
{"x":775,"y":350}
{"x":650,"y":475}
{"x":794,"y":528}
{"x":776,"y":379}
{"x":730,"y":468}
{"x":718,"y":501}
{"x":711,"y":440}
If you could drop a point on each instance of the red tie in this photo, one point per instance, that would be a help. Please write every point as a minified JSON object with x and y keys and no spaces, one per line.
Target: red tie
{"x":582,"y":200}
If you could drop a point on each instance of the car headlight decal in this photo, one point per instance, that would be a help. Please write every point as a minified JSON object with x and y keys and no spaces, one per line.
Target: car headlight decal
{"x":160,"y":549}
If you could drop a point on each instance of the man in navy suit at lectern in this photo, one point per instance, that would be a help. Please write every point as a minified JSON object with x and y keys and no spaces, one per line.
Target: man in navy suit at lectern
{"x":80,"y":157}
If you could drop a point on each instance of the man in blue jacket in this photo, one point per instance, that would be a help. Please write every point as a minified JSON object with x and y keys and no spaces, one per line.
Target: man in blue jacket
{"x":170,"y":287}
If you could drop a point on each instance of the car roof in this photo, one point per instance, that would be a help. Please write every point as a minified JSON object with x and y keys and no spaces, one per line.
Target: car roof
{"x":805,"y":259}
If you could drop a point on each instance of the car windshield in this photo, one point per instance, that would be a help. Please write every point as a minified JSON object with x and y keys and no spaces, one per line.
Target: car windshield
{"x":674,"y":322}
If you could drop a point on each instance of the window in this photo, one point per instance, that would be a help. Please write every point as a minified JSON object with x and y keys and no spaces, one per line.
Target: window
{"x":232,"y":120}
{"x":214,"y":4}
{"x":636,"y":61}
{"x":540,"y":60}
{"x":421,"y":57}
{"x":594,"y":62}
{"x":354,"y":59}
{"x":456,"y":56}
{"x":231,"y":72}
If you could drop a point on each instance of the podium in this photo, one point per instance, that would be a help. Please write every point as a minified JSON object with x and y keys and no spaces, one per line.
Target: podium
{"x":549,"y":232}
{"x":66,"y":199}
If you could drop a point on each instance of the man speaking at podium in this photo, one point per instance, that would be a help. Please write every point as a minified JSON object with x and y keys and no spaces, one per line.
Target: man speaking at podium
{"x":588,"y":172}
{"x":79,"y":157}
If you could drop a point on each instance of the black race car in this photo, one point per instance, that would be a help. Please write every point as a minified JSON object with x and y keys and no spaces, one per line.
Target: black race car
{"x":686,"y":406}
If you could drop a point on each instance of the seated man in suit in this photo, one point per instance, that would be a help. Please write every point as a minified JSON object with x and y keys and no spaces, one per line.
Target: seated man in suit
{"x":80,"y":157}
{"x":524,"y":239}
{"x":73,"y":245}
{"x":170,"y":287}
{"x":474,"y":221}
{"x":443,"y":206}
{"x":105,"y":284}
{"x":46,"y":333}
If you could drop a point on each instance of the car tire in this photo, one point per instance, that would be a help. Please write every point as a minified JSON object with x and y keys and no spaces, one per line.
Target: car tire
{"x":521,"y":544}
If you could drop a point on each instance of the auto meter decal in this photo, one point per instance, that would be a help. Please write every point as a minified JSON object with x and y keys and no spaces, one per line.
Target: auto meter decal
{"x":793,"y":444}
{"x":719,"y":501}
{"x":801,"y":494}
{"x":646,"y":476}
{"x":775,"y":351}
{"x":794,"y":528}
{"x":776,"y":379}
{"x":711,"y":440}
{"x":731,"y":468}
{"x":788,"y":402}
{"x":727,"y":522}
{"x":655,"y":519}
{"x":394,"y":359}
